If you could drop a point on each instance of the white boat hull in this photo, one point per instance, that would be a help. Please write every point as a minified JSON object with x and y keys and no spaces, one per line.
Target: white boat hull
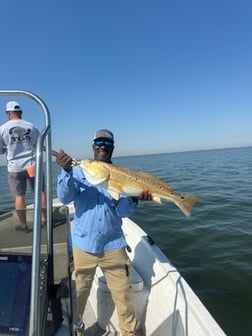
{"x":165,"y":303}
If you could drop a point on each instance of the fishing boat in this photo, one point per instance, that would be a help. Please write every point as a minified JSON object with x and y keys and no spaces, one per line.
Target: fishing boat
{"x":37,"y":282}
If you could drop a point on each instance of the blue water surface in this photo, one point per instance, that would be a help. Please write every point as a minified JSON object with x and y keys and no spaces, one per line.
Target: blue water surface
{"x":213,"y":248}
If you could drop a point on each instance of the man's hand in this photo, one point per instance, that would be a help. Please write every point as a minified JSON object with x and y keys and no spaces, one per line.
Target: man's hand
{"x":64,"y":160}
{"x":145,"y":195}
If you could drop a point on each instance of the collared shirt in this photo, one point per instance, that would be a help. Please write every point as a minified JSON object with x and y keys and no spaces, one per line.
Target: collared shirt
{"x":98,"y":217}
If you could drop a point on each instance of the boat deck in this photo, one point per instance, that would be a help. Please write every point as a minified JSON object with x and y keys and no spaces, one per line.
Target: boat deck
{"x":20,"y":242}
{"x":178,"y":312}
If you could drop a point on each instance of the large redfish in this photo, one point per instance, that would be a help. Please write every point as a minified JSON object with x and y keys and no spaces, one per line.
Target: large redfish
{"x":118,"y":180}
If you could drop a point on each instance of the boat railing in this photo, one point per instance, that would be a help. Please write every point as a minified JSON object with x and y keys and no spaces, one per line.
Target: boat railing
{"x":43,"y":145}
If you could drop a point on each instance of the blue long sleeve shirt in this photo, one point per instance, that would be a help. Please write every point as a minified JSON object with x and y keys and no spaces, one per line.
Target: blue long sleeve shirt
{"x":98,"y":217}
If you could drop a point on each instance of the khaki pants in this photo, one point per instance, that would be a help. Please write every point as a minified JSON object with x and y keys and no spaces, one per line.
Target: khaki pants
{"x":115,"y":265}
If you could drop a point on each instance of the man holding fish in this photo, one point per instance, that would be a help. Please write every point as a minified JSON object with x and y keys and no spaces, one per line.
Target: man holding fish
{"x":98,"y":239}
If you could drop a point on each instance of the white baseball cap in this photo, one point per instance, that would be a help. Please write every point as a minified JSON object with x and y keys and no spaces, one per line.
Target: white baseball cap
{"x":104,"y":134}
{"x":13,"y":106}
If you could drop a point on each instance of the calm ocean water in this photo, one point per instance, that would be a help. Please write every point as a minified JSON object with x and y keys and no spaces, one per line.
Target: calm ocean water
{"x":213,"y":248}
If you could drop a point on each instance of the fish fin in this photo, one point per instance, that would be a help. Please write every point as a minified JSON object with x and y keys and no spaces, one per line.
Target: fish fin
{"x":115,"y":185}
{"x":185,"y":203}
{"x":157,"y":199}
{"x":114,"y":193}
{"x":115,"y":189}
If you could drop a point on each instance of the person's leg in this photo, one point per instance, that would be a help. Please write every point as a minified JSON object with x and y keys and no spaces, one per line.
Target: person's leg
{"x":116,"y":267}
{"x":43,"y":197}
{"x":17,"y":183}
{"x":84,"y":267}
{"x":20,"y":207}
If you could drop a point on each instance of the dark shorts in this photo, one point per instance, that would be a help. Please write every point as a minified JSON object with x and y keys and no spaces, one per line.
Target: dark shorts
{"x":18,"y":183}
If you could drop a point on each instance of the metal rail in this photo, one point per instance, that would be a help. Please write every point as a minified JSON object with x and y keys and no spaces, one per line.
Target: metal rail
{"x":44,"y":140}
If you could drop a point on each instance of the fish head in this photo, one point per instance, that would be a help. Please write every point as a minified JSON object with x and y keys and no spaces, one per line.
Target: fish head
{"x":95,"y":172}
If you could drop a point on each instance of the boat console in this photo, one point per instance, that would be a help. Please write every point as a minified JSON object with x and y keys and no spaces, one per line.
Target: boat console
{"x":15,"y":289}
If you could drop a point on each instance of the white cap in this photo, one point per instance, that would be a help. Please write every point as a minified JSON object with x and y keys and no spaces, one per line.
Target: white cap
{"x":13,"y":106}
{"x":104,"y":134}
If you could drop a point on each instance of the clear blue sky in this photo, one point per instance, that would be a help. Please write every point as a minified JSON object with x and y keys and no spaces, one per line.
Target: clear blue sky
{"x":163,"y":75}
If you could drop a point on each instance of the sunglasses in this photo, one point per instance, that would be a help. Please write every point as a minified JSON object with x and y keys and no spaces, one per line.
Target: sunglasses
{"x":100,"y":143}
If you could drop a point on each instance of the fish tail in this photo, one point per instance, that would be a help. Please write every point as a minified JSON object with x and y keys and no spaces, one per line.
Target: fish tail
{"x":185,"y":203}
